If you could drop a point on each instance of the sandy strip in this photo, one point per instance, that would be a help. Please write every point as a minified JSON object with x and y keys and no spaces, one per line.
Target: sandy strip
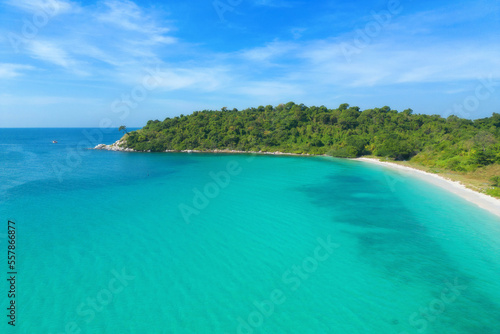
{"x":484,"y":201}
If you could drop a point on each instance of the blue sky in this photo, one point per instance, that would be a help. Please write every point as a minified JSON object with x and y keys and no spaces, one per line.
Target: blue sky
{"x":85,"y":63}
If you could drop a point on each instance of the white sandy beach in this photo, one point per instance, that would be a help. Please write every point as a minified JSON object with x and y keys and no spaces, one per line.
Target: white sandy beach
{"x":482,"y":200}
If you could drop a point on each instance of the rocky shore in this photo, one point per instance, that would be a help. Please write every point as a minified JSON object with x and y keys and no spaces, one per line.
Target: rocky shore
{"x":242,"y":152}
{"x":120,"y":145}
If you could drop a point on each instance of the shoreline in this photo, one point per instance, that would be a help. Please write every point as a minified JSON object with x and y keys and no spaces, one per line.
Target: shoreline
{"x":486,"y":202}
{"x":117,"y":146}
{"x":483,"y":201}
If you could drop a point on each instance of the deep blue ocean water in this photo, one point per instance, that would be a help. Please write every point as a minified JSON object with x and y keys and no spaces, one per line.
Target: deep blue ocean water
{"x":114,"y":242}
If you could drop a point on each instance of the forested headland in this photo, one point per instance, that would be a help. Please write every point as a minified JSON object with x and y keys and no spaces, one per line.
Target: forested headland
{"x":467,"y":147}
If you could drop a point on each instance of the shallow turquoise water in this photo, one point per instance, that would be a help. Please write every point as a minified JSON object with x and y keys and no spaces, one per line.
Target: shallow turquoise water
{"x":124,"y":243}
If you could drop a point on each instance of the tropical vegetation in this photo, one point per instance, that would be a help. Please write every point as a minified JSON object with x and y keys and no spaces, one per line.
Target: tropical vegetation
{"x":451,"y":143}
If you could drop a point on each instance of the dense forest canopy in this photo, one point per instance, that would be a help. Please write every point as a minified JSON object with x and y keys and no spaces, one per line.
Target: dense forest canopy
{"x":452,"y":143}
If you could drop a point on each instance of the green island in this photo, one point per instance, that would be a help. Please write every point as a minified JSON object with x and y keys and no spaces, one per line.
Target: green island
{"x":460,"y":149}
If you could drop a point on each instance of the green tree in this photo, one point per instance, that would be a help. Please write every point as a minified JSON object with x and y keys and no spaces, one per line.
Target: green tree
{"x":495,"y":180}
{"x":123,"y":128}
{"x":484,"y":139}
{"x":451,"y":143}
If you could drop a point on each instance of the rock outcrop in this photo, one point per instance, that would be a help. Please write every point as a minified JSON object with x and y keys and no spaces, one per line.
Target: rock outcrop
{"x":119,"y":145}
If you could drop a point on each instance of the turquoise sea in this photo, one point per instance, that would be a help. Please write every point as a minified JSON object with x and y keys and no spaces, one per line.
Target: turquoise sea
{"x":112,"y":242}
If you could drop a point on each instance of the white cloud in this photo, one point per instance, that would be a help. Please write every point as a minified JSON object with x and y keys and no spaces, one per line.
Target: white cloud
{"x":127,"y":15}
{"x":14,"y":100}
{"x":451,"y":15}
{"x":268,"y":53}
{"x":50,"y":52}
{"x":113,"y":41}
{"x":389,"y":63}
{"x":385,"y":62}
{"x":204,"y":79}
{"x":159,"y":39}
{"x":49,"y":7}
{"x":13,"y":70}
{"x":131,"y":37}
{"x":92,"y":51}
